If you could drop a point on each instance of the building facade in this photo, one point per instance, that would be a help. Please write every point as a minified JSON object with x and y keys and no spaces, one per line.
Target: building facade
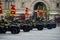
{"x":51,"y":5}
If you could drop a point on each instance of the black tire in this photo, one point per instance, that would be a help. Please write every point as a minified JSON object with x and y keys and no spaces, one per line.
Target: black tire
{"x":2,"y":30}
{"x":49,"y":26}
{"x":26,"y":29}
{"x":15,"y":30}
{"x":54,"y":25}
{"x":40,"y":27}
{"x":31,"y":28}
{"x":18,"y":30}
{"x":45,"y":26}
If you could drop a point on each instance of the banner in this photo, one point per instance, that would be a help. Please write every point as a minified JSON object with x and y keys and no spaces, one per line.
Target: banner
{"x":26,"y":13}
{"x":12,"y":10}
{"x":0,"y":9}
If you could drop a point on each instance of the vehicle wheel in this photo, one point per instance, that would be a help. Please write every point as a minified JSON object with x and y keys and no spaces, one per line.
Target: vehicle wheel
{"x":15,"y":30}
{"x":18,"y":30}
{"x":26,"y":29}
{"x":39,"y":27}
{"x":31,"y":28}
{"x":54,"y":25}
{"x":2,"y":30}
{"x":49,"y":27}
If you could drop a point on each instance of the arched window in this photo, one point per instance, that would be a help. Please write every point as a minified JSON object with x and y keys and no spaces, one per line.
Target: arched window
{"x":57,"y":5}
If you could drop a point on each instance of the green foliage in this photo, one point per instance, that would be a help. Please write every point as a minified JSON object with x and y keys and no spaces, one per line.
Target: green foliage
{"x":7,"y":12}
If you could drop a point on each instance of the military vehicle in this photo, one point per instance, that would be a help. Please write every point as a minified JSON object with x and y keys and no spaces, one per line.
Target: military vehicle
{"x":9,"y":25}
